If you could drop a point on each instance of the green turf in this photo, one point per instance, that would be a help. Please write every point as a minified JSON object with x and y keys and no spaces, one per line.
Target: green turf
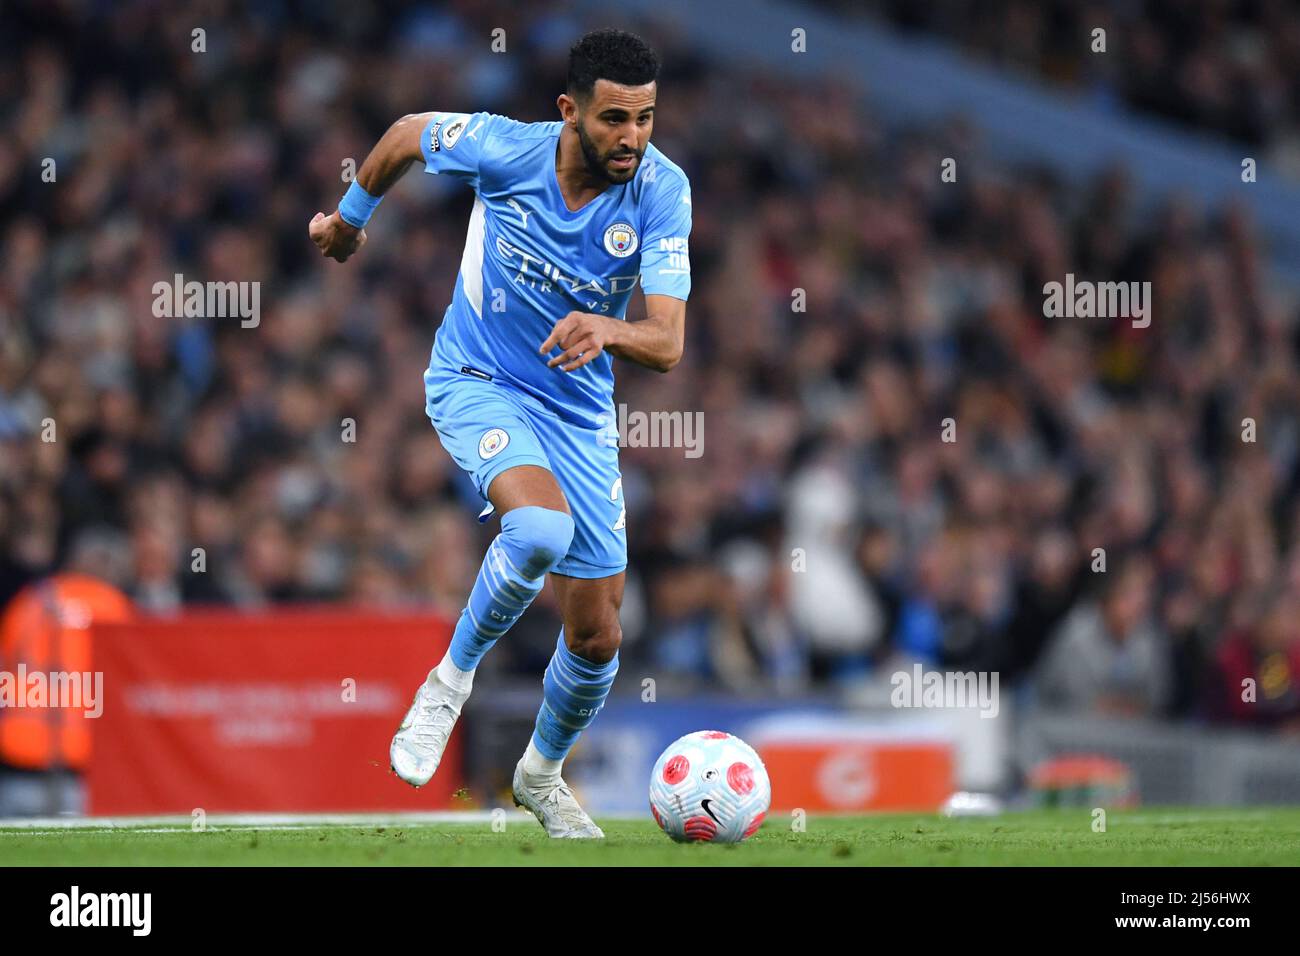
{"x":1150,"y":837}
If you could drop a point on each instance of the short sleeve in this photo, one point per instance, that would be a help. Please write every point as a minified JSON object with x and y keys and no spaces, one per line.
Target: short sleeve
{"x":665,"y":250}
{"x":454,"y":143}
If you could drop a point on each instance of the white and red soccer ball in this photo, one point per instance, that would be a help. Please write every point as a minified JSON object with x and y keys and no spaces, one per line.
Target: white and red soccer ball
{"x":711,"y":787}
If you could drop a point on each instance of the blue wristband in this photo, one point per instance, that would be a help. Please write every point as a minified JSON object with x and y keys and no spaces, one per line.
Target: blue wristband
{"x":357,"y":205}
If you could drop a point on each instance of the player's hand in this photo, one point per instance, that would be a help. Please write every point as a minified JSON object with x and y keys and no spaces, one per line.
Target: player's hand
{"x":582,"y":335}
{"x":334,"y":237}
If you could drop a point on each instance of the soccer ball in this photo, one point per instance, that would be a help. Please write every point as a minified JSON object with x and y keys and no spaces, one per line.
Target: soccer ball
{"x":709,"y":787}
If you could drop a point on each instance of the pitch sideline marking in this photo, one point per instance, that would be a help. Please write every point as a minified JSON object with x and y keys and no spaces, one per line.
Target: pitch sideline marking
{"x":47,"y":826}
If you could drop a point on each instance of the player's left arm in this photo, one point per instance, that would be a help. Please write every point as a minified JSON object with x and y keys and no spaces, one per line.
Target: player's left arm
{"x":655,"y":341}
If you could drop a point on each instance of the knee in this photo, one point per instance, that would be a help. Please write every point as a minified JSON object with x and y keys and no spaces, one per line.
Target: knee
{"x":596,"y":641}
{"x":539,"y":536}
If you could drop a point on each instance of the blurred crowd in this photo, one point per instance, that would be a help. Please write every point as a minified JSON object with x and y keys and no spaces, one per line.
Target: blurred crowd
{"x":903,"y":460}
{"x":1220,"y":66}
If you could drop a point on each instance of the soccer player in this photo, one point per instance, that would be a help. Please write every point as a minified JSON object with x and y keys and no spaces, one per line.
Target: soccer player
{"x":569,"y":215}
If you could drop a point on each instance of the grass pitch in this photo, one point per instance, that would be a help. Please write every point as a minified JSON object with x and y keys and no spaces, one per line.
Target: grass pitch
{"x":1147,"y":837}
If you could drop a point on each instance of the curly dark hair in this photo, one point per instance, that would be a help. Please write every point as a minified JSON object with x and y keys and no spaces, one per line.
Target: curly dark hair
{"x":614,"y":55}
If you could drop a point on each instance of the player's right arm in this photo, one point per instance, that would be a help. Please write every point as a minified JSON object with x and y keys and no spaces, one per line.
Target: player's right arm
{"x":392,"y":156}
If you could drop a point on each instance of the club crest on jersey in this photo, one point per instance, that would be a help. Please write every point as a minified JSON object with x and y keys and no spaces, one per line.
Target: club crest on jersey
{"x":492,"y":443}
{"x":451,"y":126}
{"x":620,"y":240}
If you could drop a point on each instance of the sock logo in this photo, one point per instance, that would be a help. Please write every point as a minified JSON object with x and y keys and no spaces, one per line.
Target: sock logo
{"x":492,"y":443}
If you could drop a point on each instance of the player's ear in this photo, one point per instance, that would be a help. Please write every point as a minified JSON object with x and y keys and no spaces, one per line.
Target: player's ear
{"x":568,"y":109}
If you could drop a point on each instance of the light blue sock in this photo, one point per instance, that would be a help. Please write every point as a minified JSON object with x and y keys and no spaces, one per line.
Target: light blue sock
{"x":532,"y":541}
{"x":573,"y":691}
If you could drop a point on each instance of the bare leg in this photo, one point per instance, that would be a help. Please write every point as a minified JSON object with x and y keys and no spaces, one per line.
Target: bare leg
{"x":526,"y":485}
{"x":589,"y":608}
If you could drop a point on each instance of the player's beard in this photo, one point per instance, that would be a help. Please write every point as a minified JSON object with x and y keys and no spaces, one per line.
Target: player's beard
{"x":597,"y":164}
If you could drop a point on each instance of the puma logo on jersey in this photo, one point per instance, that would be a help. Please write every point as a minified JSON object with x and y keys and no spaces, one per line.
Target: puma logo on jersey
{"x":514,"y":204}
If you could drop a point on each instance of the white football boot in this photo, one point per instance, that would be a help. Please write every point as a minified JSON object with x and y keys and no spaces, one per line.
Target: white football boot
{"x":552,"y":802}
{"x":422,"y":737}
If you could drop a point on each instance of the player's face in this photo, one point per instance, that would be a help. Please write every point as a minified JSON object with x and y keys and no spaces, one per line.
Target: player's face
{"x":614,"y":129}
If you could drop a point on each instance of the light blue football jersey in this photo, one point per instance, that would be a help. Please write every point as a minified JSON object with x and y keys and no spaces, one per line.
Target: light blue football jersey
{"x":529,"y":260}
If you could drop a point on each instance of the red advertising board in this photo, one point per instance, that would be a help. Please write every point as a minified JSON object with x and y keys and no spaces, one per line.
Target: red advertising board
{"x":848,"y":764}
{"x":289,"y":711}
{"x":844,"y":776}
